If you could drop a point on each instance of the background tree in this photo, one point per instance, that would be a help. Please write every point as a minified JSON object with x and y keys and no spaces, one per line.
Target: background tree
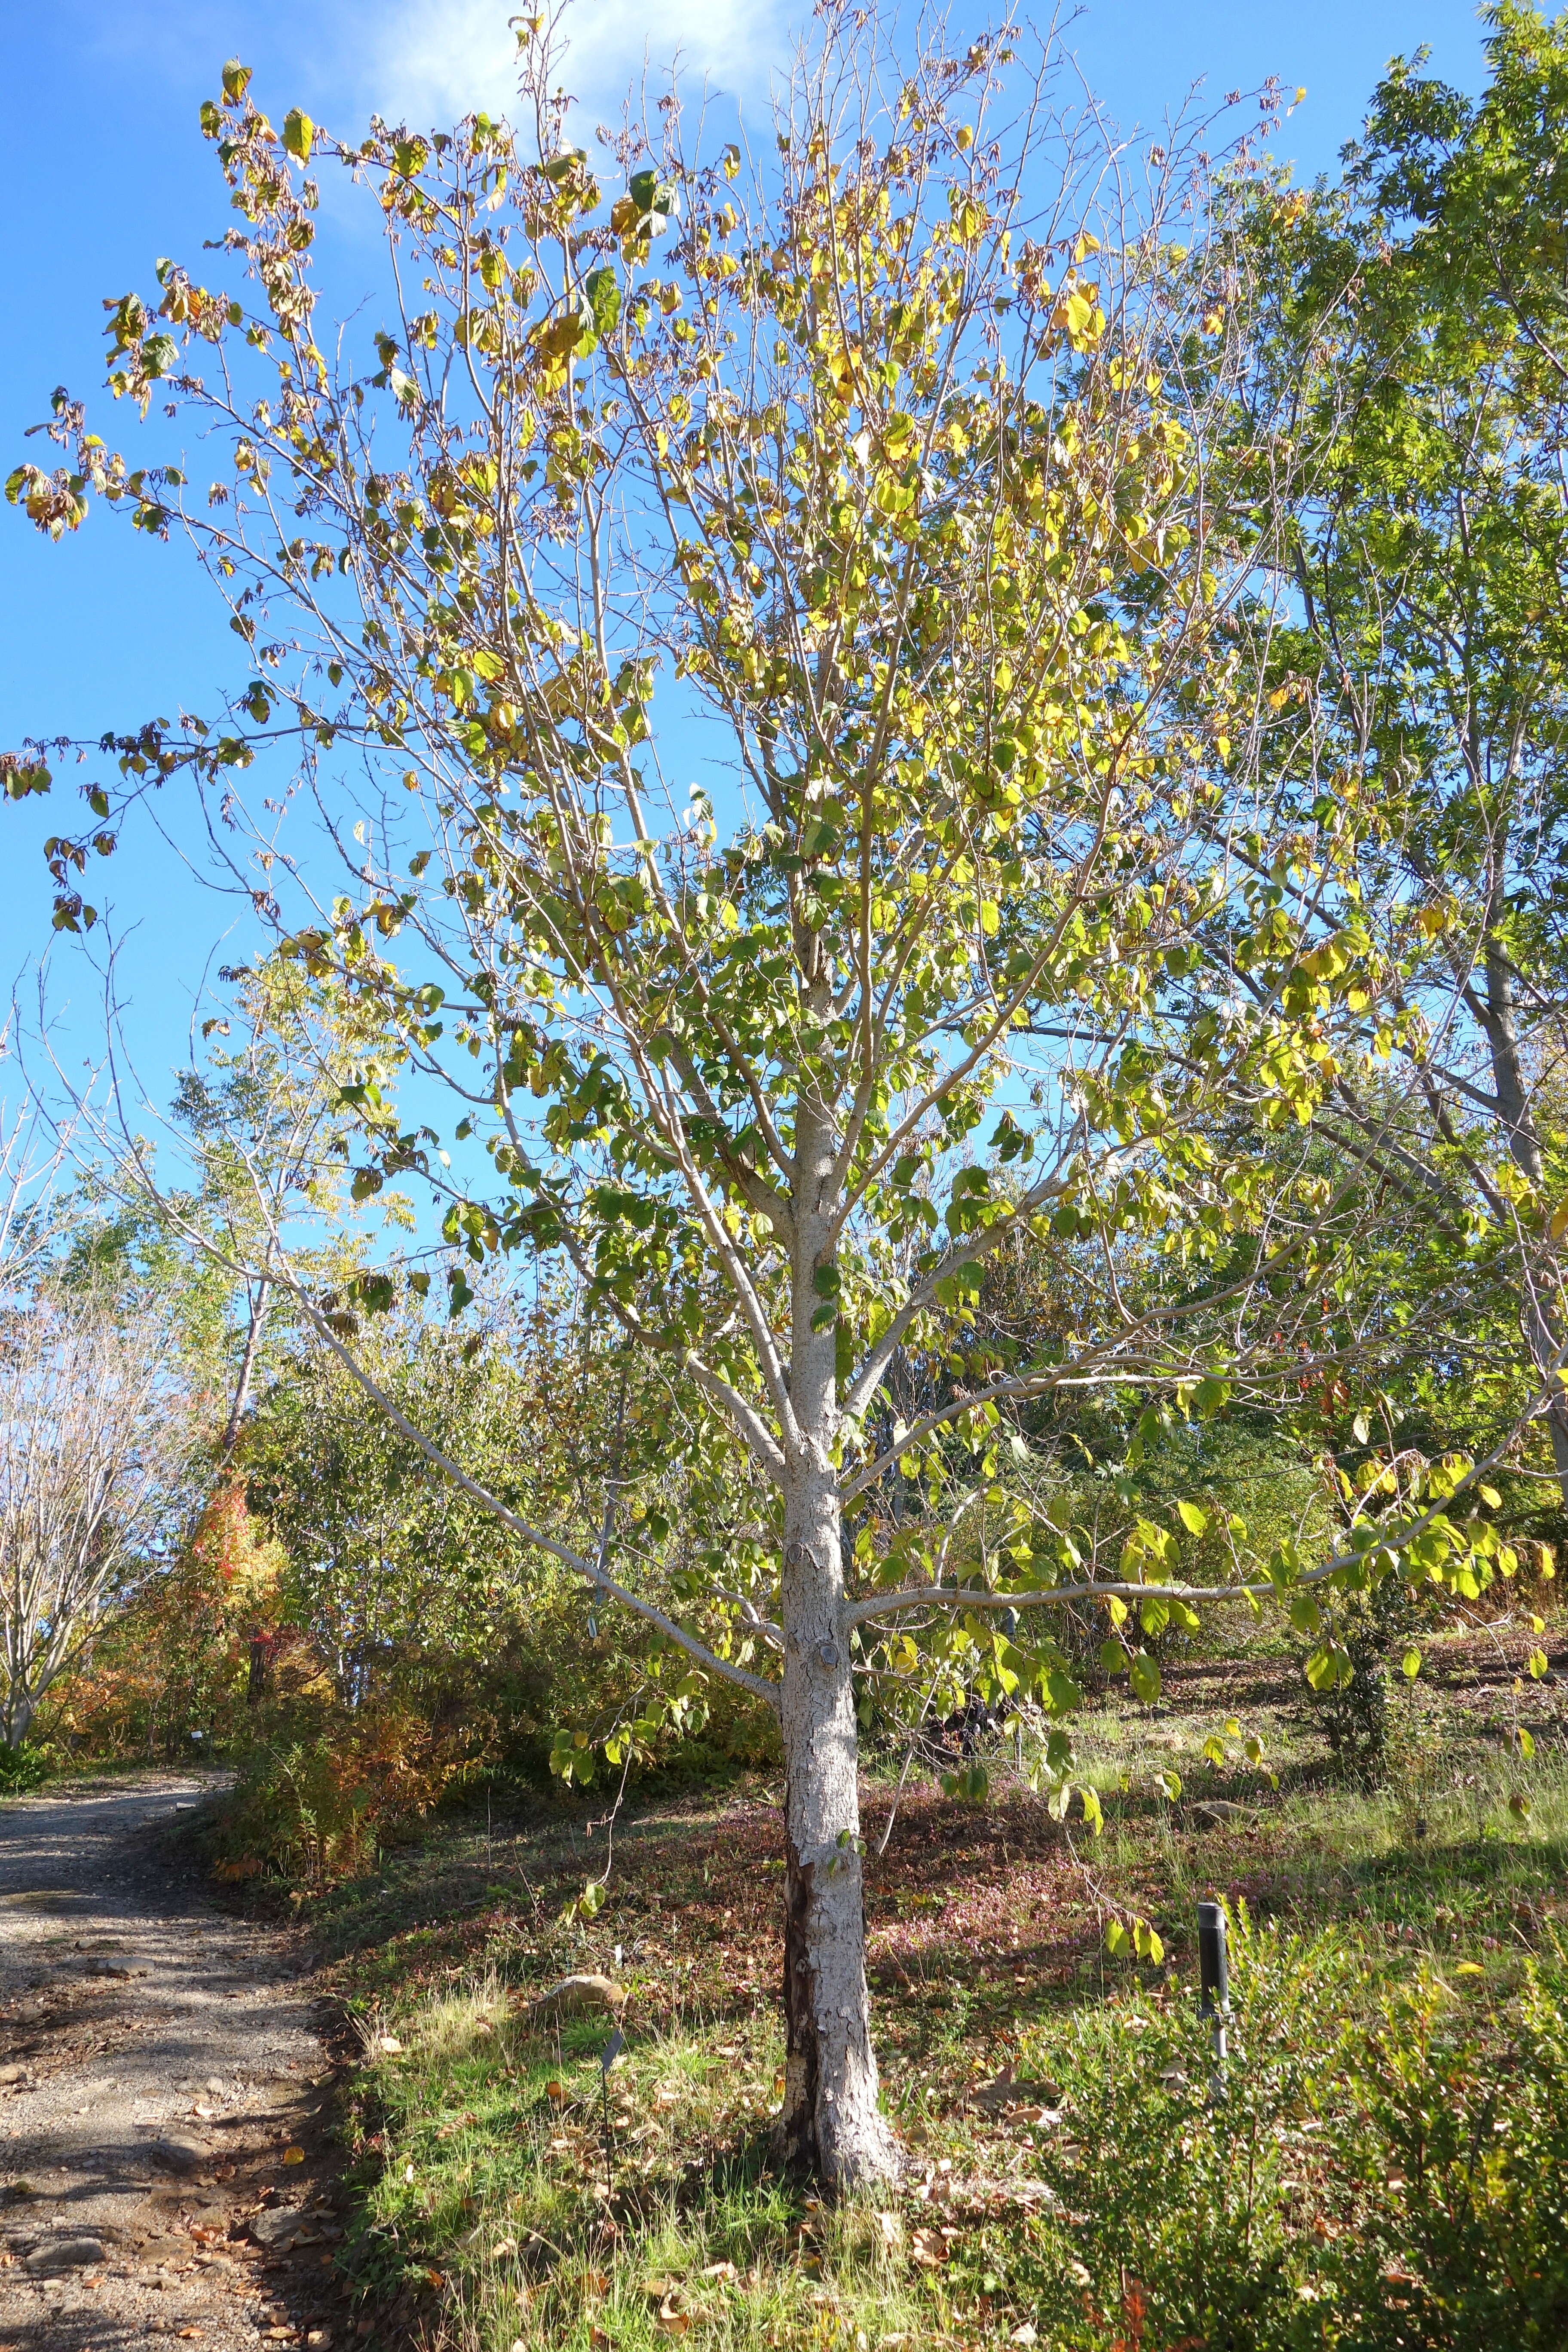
{"x":875,"y":476}
{"x":94,"y":1446}
{"x":1418,"y":306}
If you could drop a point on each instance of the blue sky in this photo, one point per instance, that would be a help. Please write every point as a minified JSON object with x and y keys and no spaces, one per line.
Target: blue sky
{"x":105,"y":170}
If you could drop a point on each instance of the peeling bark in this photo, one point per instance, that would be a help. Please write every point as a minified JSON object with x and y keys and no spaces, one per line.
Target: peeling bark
{"x":832,"y":2122}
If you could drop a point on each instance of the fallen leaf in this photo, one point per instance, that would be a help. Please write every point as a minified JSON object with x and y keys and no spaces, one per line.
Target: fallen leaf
{"x":1028,"y":2333}
{"x":390,"y":2044}
{"x":597,"y":2340}
{"x":555,"y":2091}
{"x":207,"y":2113}
{"x":293,"y":2156}
{"x":929,"y":2248}
{"x":720,"y":2271}
{"x":597,"y":2281}
{"x":673,"y":2322}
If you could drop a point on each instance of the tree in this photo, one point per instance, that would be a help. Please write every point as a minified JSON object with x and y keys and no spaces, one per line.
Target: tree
{"x":886,"y":461}
{"x":93,"y":1447}
{"x":1418,"y":306}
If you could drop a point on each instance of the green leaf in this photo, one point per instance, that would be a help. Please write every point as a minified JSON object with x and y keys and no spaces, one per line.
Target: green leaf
{"x":650,"y":193}
{"x":604,"y":291}
{"x":1328,"y":1668}
{"x":1116,"y":1937}
{"x":1410,"y":1665}
{"x":1061,"y":1694}
{"x":1145,"y":1677}
{"x":1305,"y":1615}
{"x":1170,"y":1784}
{"x":1195,"y":1520}
{"x":297,"y":132}
{"x":236,"y":79}
{"x":1091,"y":1810}
{"x":1536,"y":1665}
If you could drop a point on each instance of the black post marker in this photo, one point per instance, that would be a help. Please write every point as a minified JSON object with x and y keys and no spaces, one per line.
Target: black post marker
{"x":607,"y":2057}
{"x":1213,"y":1988}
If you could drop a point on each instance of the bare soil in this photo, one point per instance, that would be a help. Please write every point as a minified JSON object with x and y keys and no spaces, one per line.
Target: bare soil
{"x":165,"y":2161}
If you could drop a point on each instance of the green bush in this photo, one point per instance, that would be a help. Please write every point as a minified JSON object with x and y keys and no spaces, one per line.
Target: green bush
{"x":1386,"y":2170}
{"x":22,"y":1769}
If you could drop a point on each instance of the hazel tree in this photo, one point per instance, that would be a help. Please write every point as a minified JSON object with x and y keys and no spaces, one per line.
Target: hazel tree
{"x":873,"y":477}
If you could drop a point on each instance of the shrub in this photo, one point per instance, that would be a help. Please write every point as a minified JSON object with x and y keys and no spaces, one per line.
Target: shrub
{"x":22,"y":1769}
{"x":315,"y":1798}
{"x":1385,"y":2171}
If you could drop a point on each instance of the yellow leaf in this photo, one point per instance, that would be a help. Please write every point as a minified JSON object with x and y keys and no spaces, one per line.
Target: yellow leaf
{"x":293,"y":2156}
{"x":1469,"y":1969}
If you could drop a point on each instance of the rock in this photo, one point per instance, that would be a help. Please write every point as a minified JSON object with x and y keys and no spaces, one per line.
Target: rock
{"x":282,"y":2226}
{"x":64,"y":2254}
{"x":105,"y":1969}
{"x":173,"y":2155}
{"x":215,"y":2083}
{"x":12,"y":2073}
{"x":1010,"y":2090}
{"x":583,"y":1992}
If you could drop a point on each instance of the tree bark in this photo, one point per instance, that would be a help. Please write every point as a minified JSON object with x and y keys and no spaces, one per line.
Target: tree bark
{"x":832,"y":2122}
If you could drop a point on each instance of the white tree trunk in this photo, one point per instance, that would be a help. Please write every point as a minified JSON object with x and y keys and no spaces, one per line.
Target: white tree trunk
{"x":832,"y":2122}
{"x":1513,"y":1103}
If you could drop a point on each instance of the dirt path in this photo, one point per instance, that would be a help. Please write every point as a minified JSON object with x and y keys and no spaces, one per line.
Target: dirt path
{"x":159,"y":2063}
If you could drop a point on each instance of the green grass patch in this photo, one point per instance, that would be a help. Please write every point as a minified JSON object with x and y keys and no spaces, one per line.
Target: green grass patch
{"x":1385,"y":2164}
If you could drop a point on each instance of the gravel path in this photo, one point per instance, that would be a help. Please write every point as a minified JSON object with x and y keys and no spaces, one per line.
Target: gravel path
{"x":161,"y":2073}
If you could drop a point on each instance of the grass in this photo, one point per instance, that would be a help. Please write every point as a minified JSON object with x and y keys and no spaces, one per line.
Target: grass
{"x":1365,"y":2182}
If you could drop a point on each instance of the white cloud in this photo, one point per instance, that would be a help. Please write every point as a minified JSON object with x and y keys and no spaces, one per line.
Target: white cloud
{"x":434,"y":60}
